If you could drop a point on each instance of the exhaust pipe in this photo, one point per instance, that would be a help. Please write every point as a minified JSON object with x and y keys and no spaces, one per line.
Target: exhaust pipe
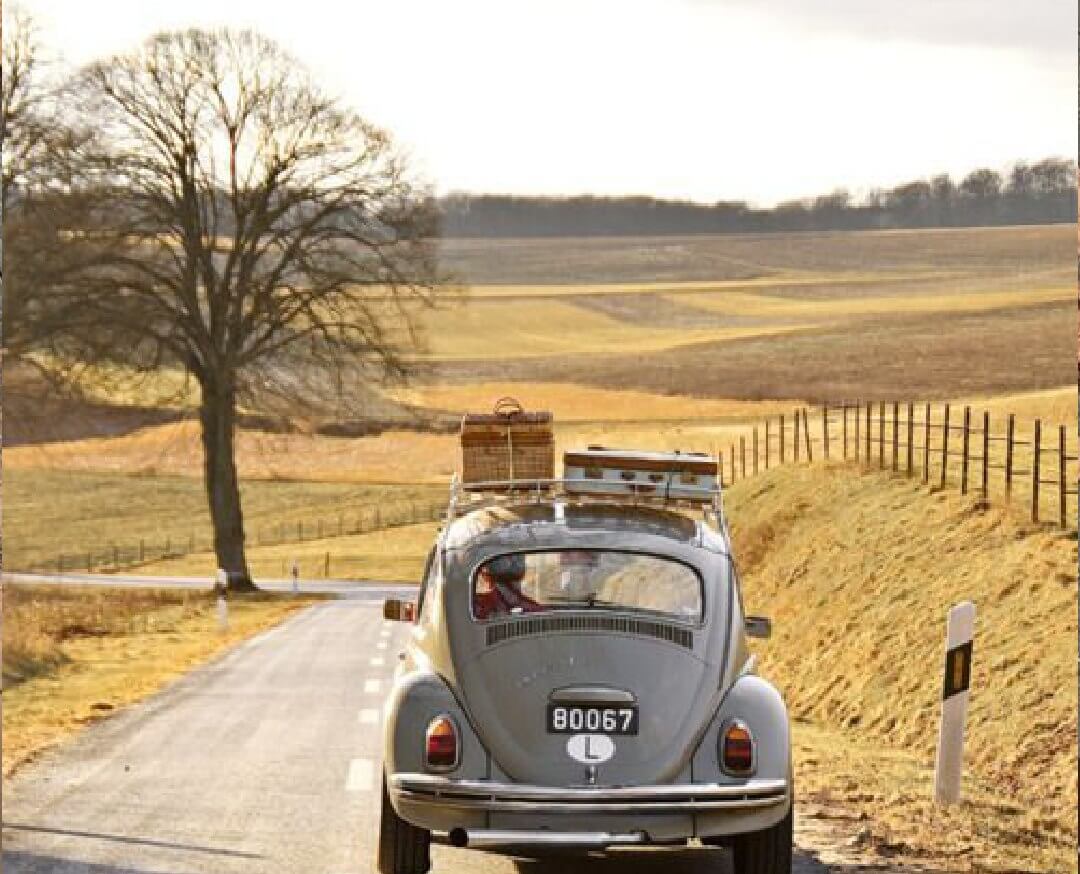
{"x":485,"y":839}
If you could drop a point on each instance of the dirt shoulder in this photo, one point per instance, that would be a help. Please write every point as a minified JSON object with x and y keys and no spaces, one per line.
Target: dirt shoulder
{"x":76,"y":655}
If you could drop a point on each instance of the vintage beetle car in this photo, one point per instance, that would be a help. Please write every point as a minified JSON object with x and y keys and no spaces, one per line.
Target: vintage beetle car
{"x":578,"y":677}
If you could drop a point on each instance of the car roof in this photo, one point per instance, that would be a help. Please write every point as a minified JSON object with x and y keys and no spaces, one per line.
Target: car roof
{"x":491,"y":521}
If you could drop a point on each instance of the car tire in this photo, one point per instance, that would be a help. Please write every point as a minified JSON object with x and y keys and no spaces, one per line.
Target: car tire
{"x":403,"y":848}
{"x":767,"y":851}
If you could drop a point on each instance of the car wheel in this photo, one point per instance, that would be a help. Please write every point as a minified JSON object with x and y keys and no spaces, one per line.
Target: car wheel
{"x":765,"y":852}
{"x":403,"y":848}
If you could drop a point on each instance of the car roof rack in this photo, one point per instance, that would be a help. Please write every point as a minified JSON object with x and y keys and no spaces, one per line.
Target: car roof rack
{"x":465,"y":497}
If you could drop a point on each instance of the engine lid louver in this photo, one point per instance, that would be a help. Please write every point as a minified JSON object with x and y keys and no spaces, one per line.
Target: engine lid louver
{"x":618,"y":624}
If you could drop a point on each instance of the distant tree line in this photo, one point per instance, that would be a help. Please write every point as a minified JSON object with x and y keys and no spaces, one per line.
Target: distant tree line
{"x":1039,"y":193}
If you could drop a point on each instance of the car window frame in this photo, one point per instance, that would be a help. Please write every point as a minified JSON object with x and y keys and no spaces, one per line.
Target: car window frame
{"x":655,"y":615}
{"x":430,"y":569}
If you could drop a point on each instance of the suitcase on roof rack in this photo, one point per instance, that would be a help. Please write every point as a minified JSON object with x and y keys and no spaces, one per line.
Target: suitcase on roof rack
{"x":507,"y":444}
{"x":684,"y":476}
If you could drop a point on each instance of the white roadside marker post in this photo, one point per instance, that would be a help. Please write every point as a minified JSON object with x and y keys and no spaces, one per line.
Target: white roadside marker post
{"x":950,"y":753}
{"x":294,"y":572}
{"x":220,"y":586}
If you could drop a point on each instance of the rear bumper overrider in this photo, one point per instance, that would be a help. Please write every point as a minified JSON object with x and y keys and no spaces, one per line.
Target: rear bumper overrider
{"x":487,"y":796}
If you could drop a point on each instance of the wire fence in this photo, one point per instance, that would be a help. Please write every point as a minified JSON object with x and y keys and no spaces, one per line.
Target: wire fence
{"x":994,"y":457}
{"x":113,"y":557}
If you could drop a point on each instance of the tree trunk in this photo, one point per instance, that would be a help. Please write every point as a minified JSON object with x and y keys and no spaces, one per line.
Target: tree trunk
{"x":218,"y":417}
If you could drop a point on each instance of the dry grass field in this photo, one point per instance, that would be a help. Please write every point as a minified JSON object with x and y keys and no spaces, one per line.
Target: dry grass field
{"x":53,"y":511}
{"x":391,"y":555}
{"x":74,"y":655}
{"x":548,"y":261}
{"x":898,"y":314}
{"x":857,"y":573}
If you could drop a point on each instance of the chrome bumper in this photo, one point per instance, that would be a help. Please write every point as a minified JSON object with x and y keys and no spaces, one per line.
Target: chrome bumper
{"x":484,"y":795}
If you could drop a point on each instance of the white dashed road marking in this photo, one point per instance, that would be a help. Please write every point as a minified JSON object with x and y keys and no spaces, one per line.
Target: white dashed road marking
{"x":361,"y":773}
{"x":378,"y":662}
{"x":372,"y":687}
{"x":369,"y":717}
{"x":381,"y":645}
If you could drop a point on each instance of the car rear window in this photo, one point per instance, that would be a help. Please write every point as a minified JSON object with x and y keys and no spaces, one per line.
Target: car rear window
{"x":534,"y":582}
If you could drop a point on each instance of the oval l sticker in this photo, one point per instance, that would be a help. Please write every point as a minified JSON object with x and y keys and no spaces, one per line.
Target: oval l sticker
{"x":590,"y":749}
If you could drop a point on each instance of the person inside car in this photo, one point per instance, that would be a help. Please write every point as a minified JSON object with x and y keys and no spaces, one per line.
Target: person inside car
{"x":498,"y":588}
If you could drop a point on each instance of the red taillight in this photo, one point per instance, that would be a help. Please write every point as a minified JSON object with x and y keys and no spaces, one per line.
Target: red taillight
{"x":737,"y":749}
{"x":441,"y":744}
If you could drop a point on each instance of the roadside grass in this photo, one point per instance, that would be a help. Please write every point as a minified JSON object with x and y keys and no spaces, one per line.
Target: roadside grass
{"x":858,"y":571}
{"x":48,"y":512}
{"x":391,"y":555}
{"x":881,"y":798}
{"x":73,"y":655}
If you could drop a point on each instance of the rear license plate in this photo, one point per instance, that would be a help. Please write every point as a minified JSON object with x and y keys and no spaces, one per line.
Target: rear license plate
{"x":594,"y":719}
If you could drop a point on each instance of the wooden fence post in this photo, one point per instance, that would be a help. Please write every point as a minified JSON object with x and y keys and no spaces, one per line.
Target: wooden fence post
{"x":806,"y":436}
{"x":731,"y":453}
{"x":881,"y":435}
{"x":755,"y":450}
{"x":986,"y":459}
{"x":142,"y":550}
{"x":1009,"y":439}
{"x":910,"y":438}
{"x":767,"y":436}
{"x":858,"y":418}
{"x":1036,"y":452}
{"x":869,"y":422}
{"x":895,"y":436}
{"x":825,"y":429}
{"x":795,"y":435}
{"x":326,"y":567}
{"x":966,"y":452}
{"x":742,"y":456}
{"x":926,"y":447}
{"x":844,"y":407}
{"x":782,"y":447}
{"x":945,"y":446}
{"x":1062,"y":512}
{"x":720,"y":469}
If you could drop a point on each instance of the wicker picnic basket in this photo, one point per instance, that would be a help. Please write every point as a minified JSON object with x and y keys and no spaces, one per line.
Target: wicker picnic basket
{"x":507,"y":444}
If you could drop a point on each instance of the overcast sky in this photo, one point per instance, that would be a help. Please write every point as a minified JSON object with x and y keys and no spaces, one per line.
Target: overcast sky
{"x":761,"y":100}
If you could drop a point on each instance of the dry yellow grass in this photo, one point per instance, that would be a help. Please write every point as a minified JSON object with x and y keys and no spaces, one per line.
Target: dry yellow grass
{"x":578,"y":403}
{"x":1056,"y":406}
{"x":79,"y":654}
{"x":390,"y":555}
{"x":393,"y":457}
{"x":516,"y":329}
{"x":779,"y":277}
{"x":857,"y":572}
{"x":944,"y":301}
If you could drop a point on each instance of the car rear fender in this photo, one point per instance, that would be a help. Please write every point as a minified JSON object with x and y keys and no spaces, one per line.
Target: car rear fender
{"x":758,"y":704}
{"x":418,"y":697}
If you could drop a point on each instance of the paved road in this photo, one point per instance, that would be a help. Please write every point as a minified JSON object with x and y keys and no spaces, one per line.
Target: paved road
{"x":370,"y":590}
{"x":265,"y":761}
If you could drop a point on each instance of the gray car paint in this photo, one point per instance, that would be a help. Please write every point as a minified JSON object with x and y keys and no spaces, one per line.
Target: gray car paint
{"x":498,"y":694}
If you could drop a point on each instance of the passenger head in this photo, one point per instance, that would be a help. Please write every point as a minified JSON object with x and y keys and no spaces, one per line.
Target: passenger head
{"x":505,"y":569}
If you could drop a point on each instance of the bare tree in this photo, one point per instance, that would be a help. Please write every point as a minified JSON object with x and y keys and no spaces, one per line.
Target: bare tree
{"x":250,"y":231}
